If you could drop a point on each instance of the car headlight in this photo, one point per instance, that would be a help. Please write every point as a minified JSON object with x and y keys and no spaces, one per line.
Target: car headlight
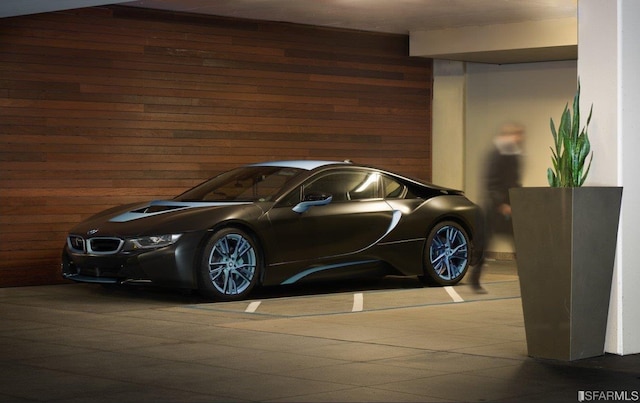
{"x":154,"y":241}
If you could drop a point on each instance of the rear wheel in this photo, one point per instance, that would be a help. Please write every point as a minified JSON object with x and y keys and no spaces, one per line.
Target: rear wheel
{"x":230,"y":265}
{"x":446,"y":255}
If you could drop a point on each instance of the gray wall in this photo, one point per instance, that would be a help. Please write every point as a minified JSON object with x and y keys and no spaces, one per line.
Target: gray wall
{"x":487,"y":96}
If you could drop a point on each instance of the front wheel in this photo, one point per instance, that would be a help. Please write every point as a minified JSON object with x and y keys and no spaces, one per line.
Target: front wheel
{"x":230,"y":265}
{"x":447,"y":253}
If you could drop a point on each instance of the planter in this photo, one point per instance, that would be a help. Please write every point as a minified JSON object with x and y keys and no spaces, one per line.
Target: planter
{"x":565,"y":241}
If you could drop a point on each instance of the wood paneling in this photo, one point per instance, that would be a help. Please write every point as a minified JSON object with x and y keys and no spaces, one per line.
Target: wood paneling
{"x":110,"y":105}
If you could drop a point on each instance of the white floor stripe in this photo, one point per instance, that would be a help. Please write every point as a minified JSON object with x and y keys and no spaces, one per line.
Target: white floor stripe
{"x":253,"y":306}
{"x":358,"y":302}
{"x":453,"y":294}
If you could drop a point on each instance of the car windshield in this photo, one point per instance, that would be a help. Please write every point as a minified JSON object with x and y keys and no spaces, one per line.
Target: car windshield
{"x":251,"y":183}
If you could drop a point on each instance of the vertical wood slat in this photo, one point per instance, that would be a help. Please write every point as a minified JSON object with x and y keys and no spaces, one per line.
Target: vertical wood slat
{"x":111,"y":105}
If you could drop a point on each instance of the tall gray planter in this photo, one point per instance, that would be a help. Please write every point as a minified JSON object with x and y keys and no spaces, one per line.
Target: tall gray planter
{"x":565,"y":241}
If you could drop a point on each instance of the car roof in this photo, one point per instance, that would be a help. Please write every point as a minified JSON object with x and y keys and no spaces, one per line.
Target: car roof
{"x":310,"y":165}
{"x":307,"y":165}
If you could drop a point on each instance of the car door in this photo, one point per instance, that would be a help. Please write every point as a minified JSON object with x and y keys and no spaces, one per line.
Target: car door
{"x":354,"y":219}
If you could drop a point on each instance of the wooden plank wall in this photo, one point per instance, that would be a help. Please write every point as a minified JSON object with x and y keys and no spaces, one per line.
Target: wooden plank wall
{"x":110,"y":105}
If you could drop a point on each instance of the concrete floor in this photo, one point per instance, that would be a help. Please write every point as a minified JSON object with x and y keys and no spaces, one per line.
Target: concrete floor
{"x":388,"y":340}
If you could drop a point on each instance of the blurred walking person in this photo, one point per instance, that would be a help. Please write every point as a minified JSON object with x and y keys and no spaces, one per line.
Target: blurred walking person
{"x":502,"y":171}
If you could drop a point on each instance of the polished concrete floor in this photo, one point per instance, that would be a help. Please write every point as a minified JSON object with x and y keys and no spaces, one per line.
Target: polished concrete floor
{"x":388,"y":340}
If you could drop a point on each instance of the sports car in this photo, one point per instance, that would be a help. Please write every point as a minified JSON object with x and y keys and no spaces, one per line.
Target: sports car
{"x":277,"y":223}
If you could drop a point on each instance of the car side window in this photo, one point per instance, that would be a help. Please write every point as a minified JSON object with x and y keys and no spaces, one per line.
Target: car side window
{"x":393,"y":189}
{"x":345,"y":186}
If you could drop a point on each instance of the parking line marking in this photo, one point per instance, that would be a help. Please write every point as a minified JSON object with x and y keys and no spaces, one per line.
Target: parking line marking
{"x":453,"y":294}
{"x":253,"y":306}
{"x":358,"y":302}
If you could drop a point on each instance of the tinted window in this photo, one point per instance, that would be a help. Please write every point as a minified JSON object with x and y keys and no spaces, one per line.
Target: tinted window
{"x":344,"y":186}
{"x":254,"y":183}
{"x":393,"y":189}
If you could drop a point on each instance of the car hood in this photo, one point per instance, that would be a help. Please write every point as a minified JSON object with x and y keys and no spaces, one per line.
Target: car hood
{"x":160,"y":216}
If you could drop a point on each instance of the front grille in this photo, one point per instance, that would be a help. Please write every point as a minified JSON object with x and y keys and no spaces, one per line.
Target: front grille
{"x":104,"y":245}
{"x":94,"y":246}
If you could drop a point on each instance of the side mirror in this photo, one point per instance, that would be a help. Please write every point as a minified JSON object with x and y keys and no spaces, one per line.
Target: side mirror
{"x":312,"y":199}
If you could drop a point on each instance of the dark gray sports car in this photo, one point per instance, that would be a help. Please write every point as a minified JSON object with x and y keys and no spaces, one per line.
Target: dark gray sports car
{"x":281,"y":223}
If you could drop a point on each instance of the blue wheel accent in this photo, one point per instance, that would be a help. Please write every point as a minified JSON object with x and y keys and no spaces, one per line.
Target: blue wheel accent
{"x":448,"y":253}
{"x":231,"y":265}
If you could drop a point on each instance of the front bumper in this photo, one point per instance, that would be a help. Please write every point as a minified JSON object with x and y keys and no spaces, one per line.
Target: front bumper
{"x":102,"y":269}
{"x":171,"y":266}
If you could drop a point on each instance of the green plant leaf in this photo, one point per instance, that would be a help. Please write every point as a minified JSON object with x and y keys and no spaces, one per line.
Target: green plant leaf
{"x":571,"y":147}
{"x":551,"y":177}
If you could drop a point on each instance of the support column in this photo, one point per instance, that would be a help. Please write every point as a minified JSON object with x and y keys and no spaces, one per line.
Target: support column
{"x":608,"y":62}
{"x":448,"y":123}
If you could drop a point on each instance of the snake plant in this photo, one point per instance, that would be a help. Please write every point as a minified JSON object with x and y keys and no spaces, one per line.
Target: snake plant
{"x":572,"y":148}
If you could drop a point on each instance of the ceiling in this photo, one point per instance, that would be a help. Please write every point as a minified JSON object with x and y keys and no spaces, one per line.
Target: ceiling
{"x":390,"y":16}
{"x":387,"y":16}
